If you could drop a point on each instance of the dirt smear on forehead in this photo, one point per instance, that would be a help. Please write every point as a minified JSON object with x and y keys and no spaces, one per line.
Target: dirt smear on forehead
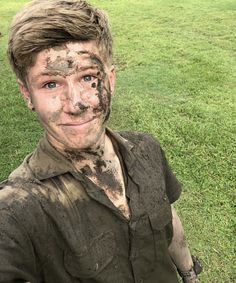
{"x":60,"y":66}
{"x":67,"y":64}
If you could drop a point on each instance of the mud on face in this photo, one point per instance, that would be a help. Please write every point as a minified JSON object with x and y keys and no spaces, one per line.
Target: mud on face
{"x":67,"y":65}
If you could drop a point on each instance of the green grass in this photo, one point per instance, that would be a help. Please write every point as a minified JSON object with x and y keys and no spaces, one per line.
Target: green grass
{"x":175,"y":79}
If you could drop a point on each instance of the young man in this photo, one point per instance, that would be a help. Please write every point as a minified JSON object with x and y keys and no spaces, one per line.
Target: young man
{"x":89,"y":204}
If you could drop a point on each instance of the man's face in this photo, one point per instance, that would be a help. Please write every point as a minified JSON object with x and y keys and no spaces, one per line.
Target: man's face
{"x":70,"y":88}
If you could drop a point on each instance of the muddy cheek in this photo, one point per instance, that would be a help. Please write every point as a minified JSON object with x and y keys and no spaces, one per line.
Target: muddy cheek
{"x":64,"y":95}
{"x":90,"y":97}
{"x":77,"y":93}
{"x":89,"y":87}
{"x":103,"y":107}
{"x":100,"y":94}
{"x":54,"y":116}
{"x":107,"y":103}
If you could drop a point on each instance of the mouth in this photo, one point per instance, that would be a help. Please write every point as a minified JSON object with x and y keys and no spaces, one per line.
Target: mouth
{"x":79,"y":124}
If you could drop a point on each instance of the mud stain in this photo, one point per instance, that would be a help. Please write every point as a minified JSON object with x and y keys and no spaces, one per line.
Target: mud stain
{"x":81,"y":107}
{"x":107,"y":178}
{"x":97,"y":61}
{"x":86,"y":154}
{"x":74,"y":155}
{"x":100,"y":172}
{"x":61,"y":66}
{"x":86,"y":170}
{"x":54,"y":116}
{"x":100,"y":164}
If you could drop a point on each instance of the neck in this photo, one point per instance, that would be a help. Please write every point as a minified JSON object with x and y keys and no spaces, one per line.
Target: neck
{"x":95,"y":151}
{"x":87,"y":160}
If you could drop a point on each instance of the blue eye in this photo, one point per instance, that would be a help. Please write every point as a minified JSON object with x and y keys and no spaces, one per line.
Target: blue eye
{"x":88,"y":78}
{"x":50,"y":85}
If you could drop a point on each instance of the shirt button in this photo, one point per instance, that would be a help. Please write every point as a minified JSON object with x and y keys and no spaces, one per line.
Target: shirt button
{"x":96,"y":266}
{"x":133,"y":225}
{"x":116,"y":266}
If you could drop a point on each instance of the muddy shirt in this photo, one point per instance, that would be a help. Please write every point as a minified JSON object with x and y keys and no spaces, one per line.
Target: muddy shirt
{"x":56,"y":226}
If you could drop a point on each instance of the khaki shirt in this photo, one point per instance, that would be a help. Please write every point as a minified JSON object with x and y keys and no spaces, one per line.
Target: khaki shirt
{"x":56,"y":226}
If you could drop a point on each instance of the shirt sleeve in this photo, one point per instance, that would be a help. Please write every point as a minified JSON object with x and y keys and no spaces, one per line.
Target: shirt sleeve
{"x":173,"y":186}
{"x":17,"y":260}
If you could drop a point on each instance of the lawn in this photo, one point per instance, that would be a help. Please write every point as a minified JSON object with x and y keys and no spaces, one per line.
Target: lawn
{"x":176,"y":79}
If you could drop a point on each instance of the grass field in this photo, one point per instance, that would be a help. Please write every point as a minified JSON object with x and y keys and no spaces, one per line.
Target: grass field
{"x":176,"y":79}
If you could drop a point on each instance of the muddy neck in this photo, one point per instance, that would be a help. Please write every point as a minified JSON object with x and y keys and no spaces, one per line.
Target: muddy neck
{"x":101,"y":153}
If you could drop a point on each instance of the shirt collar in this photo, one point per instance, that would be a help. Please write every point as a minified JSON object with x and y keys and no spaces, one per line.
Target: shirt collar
{"x":46,"y":162}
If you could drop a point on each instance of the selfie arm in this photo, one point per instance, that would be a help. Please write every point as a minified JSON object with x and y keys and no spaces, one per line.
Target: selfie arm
{"x":180,"y":253}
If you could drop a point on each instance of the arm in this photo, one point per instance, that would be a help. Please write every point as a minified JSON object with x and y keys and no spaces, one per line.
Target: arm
{"x":179,"y":251}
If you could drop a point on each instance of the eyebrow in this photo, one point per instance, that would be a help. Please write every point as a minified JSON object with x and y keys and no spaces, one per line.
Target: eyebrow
{"x":85,"y":68}
{"x":43,"y":74}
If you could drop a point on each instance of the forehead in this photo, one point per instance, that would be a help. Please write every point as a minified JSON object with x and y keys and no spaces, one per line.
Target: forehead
{"x":79,"y":52}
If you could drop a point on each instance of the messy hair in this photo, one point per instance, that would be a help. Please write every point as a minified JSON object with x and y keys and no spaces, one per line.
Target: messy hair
{"x":43,"y":24}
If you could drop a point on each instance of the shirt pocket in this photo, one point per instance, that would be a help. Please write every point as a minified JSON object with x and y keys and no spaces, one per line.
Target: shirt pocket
{"x":96,"y":256}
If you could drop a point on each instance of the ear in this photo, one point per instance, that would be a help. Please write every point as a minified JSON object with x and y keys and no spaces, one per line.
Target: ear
{"x":112,"y":78}
{"x":26,"y":94}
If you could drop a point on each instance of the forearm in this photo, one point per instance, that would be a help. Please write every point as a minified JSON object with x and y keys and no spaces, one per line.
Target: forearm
{"x":179,"y":250}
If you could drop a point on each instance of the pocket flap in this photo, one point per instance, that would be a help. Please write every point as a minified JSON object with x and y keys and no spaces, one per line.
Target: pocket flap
{"x":161,"y":218}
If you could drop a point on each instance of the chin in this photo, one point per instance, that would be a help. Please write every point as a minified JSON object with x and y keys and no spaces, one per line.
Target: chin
{"x":77,"y":141}
{"x":87,"y":142}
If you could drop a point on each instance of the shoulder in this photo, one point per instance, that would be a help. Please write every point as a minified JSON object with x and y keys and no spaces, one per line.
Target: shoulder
{"x":138,"y":138}
{"x":22,"y":211}
{"x":14,"y":196}
{"x":22,"y":171}
{"x":15,"y":190}
{"x":145,"y":145}
{"x":21,"y":202}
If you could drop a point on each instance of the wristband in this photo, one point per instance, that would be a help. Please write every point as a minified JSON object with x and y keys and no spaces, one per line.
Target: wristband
{"x":194,"y":271}
{"x":188,"y":274}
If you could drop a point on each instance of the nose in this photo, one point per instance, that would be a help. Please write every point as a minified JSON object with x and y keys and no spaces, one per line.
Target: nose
{"x":72,"y":100}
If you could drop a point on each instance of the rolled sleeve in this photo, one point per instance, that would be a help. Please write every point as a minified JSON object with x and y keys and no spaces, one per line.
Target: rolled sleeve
{"x":173,"y":186}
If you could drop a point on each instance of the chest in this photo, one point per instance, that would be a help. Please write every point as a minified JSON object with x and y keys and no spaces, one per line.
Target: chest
{"x":111,"y":181}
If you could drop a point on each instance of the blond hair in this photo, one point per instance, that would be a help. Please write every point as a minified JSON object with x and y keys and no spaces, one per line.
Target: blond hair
{"x":43,"y":24}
